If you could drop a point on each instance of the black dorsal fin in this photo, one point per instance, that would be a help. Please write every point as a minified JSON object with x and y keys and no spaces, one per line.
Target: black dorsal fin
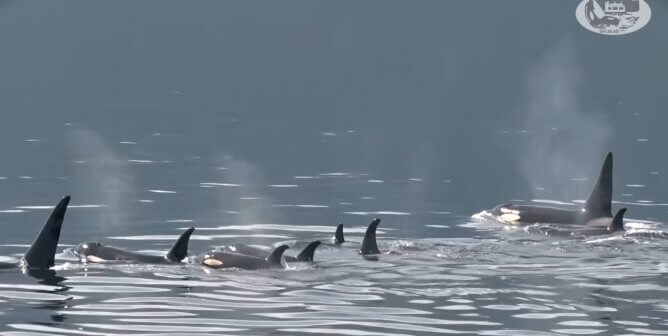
{"x":369,"y":245}
{"x":307,"y":253}
{"x":274,"y":259}
{"x":338,"y":235}
{"x":180,"y":249}
{"x":599,"y":203}
{"x":618,"y":221}
{"x":42,"y":252}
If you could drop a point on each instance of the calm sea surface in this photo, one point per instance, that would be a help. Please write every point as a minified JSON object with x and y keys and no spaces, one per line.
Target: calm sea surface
{"x":271,"y":122}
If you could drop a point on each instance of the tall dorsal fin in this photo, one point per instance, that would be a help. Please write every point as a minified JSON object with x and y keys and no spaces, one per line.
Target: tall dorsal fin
{"x":180,"y":248}
{"x":369,"y":245}
{"x":307,"y":253}
{"x":618,"y":221}
{"x":338,"y":235}
{"x":599,"y":203}
{"x":42,"y":252}
{"x":274,"y":259}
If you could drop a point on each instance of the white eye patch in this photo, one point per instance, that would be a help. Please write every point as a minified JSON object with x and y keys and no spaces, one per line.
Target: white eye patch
{"x":510,"y":217}
{"x":212,"y":262}
{"x":510,"y":211}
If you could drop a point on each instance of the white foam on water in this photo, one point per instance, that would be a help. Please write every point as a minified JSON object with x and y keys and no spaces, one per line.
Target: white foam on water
{"x":160,"y":191}
{"x":334,"y":174}
{"x":421,"y":301}
{"x":642,"y":203}
{"x":456,"y":307}
{"x":582,"y":323}
{"x":219,"y":184}
{"x":301,"y":205}
{"x":579,"y":331}
{"x":547,"y":316}
{"x":367,"y":213}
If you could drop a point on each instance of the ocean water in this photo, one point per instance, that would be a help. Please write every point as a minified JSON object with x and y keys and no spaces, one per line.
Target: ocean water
{"x":271,"y":122}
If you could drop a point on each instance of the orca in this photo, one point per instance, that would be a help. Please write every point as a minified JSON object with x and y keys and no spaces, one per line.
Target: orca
{"x":98,"y":253}
{"x":599,"y":204}
{"x":596,"y":227}
{"x":222,"y":259}
{"x":338,"y":235}
{"x":42,"y":252}
{"x":369,"y":245}
{"x":305,"y":255}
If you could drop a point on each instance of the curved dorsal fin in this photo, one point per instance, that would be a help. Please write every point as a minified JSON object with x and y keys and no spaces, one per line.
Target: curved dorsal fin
{"x":274,"y":259}
{"x":618,"y":221}
{"x":42,"y":252}
{"x":338,"y":235}
{"x":369,"y":245}
{"x":307,"y":253}
{"x":180,"y":248}
{"x":599,"y":203}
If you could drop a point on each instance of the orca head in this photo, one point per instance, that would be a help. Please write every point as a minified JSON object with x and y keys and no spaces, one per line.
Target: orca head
{"x":210,"y":259}
{"x":88,"y":248}
{"x":501,"y":209}
{"x":506,"y":213}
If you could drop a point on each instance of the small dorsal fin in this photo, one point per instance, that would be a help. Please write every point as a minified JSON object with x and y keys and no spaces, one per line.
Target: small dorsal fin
{"x":369,"y":245}
{"x":338,"y":235}
{"x":599,"y":203}
{"x":307,"y":253}
{"x":274,"y":259}
{"x":618,"y":221}
{"x":180,"y":248}
{"x":42,"y":252}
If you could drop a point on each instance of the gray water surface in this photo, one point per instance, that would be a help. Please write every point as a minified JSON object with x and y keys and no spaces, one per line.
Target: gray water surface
{"x":267,"y":122}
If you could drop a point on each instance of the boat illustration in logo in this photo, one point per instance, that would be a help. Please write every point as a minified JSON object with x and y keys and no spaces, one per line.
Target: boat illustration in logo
{"x":613,"y":17}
